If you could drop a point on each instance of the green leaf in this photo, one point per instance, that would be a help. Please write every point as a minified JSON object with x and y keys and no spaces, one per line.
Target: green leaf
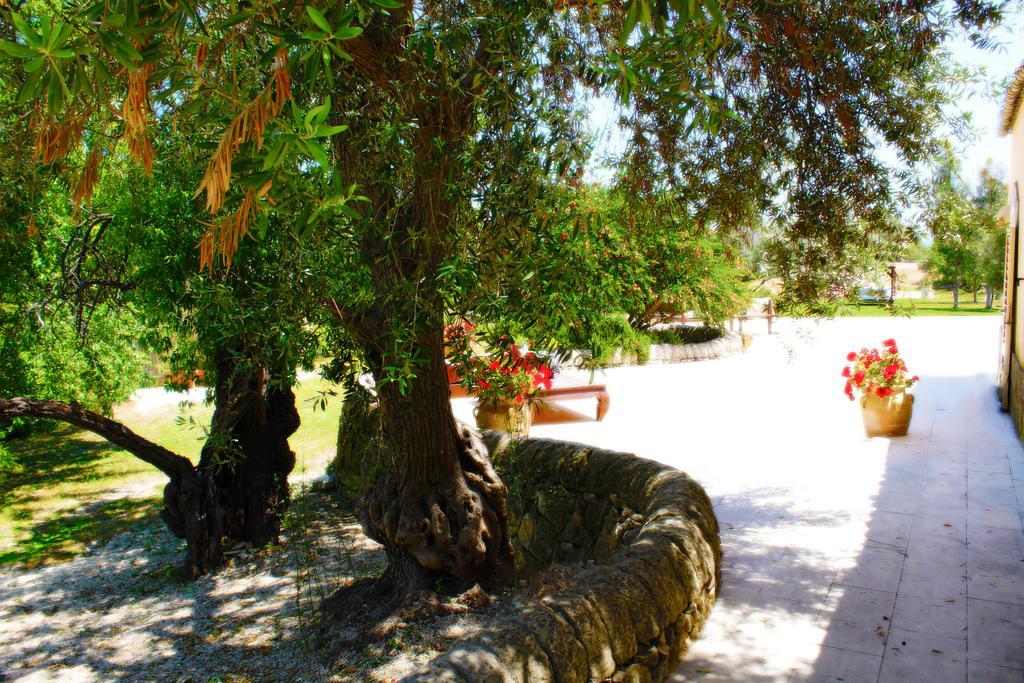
{"x":351,"y":212}
{"x":348,"y":32}
{"x":121,"y":49}
{"x":34,"y":65}
{"x":632,"y":17}
{"x":53,"y":38}
{"x":236,"y":18}
{"x":316,"y":115}
{"x":16,"y":49}
{"x":54,"y":94}
{"x":315,"y":36}
{"x":315,"y":152}
{"x":32,"y":87}
{"x":31,"y":37}
{"x":388,"y":4}
{"x":338,"y":51}
{"x":328,"y":131}
{"x":714,"y":8}
{"x":318,"y":18}
{"x":275,"y":154}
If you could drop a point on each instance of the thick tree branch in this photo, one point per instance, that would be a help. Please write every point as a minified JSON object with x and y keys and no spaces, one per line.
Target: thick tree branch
{"x":173,"y":465}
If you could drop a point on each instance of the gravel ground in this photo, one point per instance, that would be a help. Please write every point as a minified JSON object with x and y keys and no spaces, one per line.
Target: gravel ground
{"x":120,"y":612}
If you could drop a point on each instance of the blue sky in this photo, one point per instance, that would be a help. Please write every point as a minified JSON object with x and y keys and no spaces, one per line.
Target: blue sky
{"x":985,"y":108}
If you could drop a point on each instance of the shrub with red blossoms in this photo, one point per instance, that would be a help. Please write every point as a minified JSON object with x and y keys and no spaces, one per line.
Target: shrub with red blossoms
{"x":508,"y":376}
{"x":880,"y":373}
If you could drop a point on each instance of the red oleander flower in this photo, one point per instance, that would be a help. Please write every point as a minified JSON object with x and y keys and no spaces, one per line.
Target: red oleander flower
{"x":507,"y":376}
{"x":882,"y":374}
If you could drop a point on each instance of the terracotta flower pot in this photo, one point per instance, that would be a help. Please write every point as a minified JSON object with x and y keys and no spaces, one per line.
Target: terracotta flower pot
{"x":508,"y":417}
{"x":889,"y":416}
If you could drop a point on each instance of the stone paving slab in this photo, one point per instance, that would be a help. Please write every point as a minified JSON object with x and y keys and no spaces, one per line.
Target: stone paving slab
{"x":845,"y":558}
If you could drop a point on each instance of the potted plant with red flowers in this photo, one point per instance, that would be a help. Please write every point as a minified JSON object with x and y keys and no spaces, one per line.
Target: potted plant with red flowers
{"x":882,"y":380}
{"x":506,"y":385}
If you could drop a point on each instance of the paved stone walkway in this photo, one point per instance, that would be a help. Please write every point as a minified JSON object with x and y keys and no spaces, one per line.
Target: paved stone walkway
{"x":846,"y":559}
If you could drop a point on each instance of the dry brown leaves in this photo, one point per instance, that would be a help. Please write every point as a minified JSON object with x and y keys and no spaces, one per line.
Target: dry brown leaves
{"x":86,"y":184}
{"x":249,"y":125}
{"x":55,"y":140}
{"x":224,"y":235}
{"x":135,"y":112}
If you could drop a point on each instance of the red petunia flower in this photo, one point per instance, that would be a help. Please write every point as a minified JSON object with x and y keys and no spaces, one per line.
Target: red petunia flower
{"x":851,"y":356}
{"x":846,"y":371}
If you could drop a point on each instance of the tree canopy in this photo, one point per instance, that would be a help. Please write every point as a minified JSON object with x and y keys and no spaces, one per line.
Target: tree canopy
{"x":403,"y":142}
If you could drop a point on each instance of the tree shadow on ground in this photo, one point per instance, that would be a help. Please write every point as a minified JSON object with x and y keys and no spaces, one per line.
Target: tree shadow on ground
{"x":122,"y":611}
{"x":902,"y":613}
{"x":63,"y":455}
{"x":62,"y":535}
{"x":823,"y":608}
{"x":43,"y":518}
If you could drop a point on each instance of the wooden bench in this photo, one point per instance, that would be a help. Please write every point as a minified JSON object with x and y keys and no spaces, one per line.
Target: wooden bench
{"x":564,"y":387}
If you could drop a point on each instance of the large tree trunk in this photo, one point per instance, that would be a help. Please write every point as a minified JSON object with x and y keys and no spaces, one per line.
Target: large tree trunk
{"x":989,"y":296}
{"x":974,"y":293}
{"x":956,"y":297}
{"x":439,"y":508}
{"x":358,"y":444}
{"x":192,"y":511}
{"x":248,"y":453}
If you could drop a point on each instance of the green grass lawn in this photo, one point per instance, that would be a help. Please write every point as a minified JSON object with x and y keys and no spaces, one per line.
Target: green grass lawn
{"x":74,"y":488}
{"x":941,"y":303}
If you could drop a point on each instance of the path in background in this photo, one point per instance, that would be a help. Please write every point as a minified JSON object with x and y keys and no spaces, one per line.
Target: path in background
{"x":846,"y":559}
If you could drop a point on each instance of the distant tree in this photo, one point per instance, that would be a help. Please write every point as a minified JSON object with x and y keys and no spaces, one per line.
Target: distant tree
{"x":989,"y":198}
{"x":968,"y":249}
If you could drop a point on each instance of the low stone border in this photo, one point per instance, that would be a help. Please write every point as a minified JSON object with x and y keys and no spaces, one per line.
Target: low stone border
{"x":728,"y":344}
{"x":649,"y":538}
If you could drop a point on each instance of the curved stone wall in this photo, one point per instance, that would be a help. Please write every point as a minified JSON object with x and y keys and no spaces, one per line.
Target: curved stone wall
{"x":649,"y":540}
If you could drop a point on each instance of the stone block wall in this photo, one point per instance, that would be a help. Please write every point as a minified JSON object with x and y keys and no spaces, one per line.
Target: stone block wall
{"x":1016,"y":397}
{"x":629,"y":615}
